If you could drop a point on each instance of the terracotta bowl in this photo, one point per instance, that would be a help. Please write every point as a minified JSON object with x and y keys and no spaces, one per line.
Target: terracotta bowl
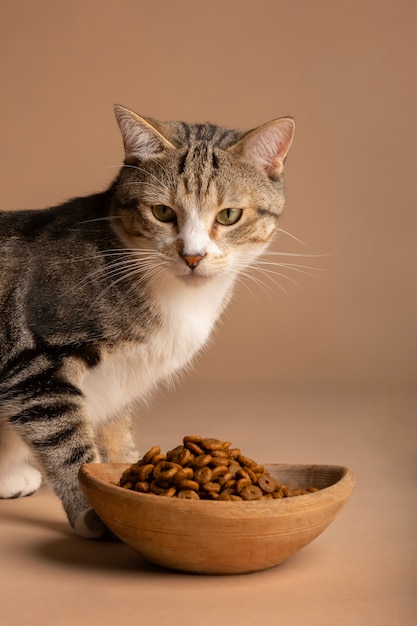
{"x":212,"y":537}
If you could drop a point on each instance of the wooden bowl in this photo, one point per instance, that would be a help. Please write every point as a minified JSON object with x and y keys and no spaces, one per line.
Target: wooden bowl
{"x":212,"y":537}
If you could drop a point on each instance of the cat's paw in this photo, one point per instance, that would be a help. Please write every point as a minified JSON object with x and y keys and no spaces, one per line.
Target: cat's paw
{"x":23,"y":481}
{"x":88,"y":525}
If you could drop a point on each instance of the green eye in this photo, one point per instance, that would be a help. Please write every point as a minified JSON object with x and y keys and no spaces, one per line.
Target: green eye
{"x":227,"y":217}
{"x":163,"y":213}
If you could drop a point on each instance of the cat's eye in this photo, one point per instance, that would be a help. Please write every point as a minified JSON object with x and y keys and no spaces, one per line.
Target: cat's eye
{"x":163,"y":213}
{"x":227,"y":217}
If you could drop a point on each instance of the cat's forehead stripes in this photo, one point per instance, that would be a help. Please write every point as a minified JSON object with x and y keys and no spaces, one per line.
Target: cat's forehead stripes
{"x":199,"y":166}
{"x":199,"y":163}
{"x":200,"y":146}
{"x":188,"y":134}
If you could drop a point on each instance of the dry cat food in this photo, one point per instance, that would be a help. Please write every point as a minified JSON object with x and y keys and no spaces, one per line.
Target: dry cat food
{"x":204,"y":469}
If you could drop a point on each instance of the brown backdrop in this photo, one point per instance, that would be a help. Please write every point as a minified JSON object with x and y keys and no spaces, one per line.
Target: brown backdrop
{"x":323,"y":372}
{"x":345,"y":70}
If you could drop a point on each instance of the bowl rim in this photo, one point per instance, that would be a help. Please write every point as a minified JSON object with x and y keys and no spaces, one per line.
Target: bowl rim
{"x":345,"y":484}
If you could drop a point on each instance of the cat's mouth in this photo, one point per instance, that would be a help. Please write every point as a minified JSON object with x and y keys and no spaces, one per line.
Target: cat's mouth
{"x":191,"y":272}
{"x":194,"y":280}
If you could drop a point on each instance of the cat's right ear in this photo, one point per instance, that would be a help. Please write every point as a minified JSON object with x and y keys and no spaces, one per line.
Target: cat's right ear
{"x":141,"y":138}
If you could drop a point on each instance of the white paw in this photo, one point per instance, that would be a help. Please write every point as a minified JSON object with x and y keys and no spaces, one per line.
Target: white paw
{"x":19,"y":481}
{"x":89,"y":525}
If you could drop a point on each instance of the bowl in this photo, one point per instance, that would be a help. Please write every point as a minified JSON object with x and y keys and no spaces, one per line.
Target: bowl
{"x":209,"y":537}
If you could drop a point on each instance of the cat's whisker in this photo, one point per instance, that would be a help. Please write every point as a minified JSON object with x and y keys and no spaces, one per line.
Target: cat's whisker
{"x":286,"y":232}
{"x":113,"y":167}
{"x":296,"y":254}
{"x":269,"y":273}
{"x":266,"y":288}
{"x":294,"y":267}
{"x":246,"y":272}
{"x":127,"y":262}
{"x":245,"y":284}
{"x":118,"y":267}
{"x":137,"y":254}
{"x":124,"y":275}
{"x":116,"y":252}
{"x":90,"y":278}
{"x":307,"y":270}
{"x":107,"y":218}
{"x":240,"y":281}
{"x":145,"y":171}
{"x":279,"y":264}
{"x":124,"y":271}
{"x":153,"y":273}
{"x":150,"y":185}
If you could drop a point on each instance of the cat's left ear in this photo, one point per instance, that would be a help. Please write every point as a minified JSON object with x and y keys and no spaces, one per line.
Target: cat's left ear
{"x":267,"y":146}
{"x":141,"y":137}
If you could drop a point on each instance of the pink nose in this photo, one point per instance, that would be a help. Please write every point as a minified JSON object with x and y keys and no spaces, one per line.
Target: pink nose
{"x":192,"y":260}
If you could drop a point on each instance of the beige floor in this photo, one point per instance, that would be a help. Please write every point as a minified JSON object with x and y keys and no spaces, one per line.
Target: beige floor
{"x":361,"y":571}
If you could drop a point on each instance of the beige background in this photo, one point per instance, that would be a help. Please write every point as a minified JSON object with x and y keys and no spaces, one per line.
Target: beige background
{"x":323,"y":372}
{"x":344,"y":70}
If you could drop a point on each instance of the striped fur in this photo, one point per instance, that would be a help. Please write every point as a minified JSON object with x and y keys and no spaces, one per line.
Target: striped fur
{"x":104,"y":298}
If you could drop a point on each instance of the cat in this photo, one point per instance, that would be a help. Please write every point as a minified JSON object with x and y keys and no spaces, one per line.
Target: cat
{"x":104,"y":298}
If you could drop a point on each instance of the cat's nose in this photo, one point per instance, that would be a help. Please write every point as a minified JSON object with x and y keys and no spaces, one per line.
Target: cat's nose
{"x":192,"y":260}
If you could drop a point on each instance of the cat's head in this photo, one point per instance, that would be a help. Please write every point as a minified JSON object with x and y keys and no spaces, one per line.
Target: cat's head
{"x":198,"y":200}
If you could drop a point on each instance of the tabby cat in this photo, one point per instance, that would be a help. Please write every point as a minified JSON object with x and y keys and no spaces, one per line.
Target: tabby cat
{"x":105,"y":297}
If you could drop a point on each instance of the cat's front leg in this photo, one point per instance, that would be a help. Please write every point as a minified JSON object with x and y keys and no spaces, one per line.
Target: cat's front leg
{"x":115,"y":438}
{"x":62,"y":440}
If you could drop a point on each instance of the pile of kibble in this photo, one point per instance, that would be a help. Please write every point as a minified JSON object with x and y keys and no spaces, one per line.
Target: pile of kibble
{"x":204,"y":469}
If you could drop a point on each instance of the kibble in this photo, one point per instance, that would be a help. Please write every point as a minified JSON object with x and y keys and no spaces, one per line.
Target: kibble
{"x":204,"y":469}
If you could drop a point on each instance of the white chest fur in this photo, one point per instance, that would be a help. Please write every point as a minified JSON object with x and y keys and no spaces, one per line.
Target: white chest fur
{"x":188,"y":315}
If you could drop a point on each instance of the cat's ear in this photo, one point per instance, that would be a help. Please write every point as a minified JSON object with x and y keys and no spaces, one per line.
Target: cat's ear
{"x":267,"y":146}
{"x":141,"y":137}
